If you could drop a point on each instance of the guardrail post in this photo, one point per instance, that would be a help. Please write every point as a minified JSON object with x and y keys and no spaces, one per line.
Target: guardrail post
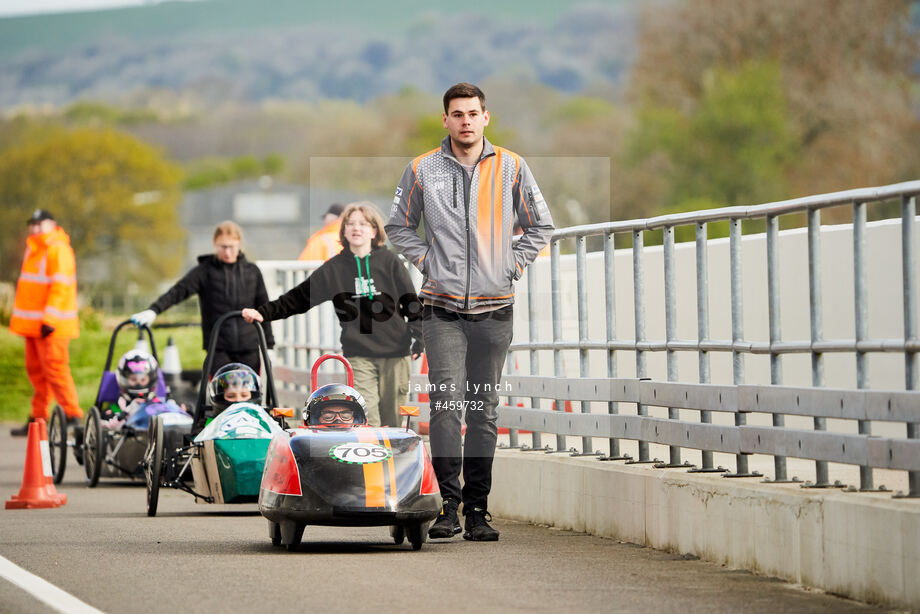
{"x":702,"y":333}
{"x":587,"y":447}
{"x":558,"y":368}
{"x":610,"y":299}
{"x":909,"y":272}
{"x":536,"y":438}
{"x":298,"y":329}
{"x":286,"y":281}
{"x":773,"y":304}
{"x":670,"y":325}
{"x":737,"y":335}
{"x":861,"y":314}
{"x":639,"y":310}
{"x":815,"y":308}
{"x":512,"y":433}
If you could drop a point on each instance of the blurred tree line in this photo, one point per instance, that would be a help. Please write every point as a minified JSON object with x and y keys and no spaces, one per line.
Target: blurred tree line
{"x":114,"y":195}
{"x":726,"y":103}
{"x":747,"y":101}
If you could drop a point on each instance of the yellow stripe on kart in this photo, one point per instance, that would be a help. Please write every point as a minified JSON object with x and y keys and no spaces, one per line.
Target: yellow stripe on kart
{"x":374,"y":486}
{"x":391,"y":466}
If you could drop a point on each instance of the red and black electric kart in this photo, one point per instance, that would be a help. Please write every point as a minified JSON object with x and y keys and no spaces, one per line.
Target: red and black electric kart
{"x":348,"y":475}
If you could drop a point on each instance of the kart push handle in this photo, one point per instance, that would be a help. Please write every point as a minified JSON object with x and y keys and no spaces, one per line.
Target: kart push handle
{"x":324,"y":358}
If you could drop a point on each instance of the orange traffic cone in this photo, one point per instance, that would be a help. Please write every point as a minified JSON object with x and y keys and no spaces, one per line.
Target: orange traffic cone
{"x":37,"y":487}
{"x":423,"y":396}
{"x":46,"y":456}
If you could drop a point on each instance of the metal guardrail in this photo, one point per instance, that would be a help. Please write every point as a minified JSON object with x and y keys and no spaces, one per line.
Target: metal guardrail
{"x":738,"y":399}
{"x":863,"y":450}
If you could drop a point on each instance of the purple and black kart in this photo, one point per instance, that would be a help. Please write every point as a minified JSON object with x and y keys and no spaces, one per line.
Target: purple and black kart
{"x":105,"y":451}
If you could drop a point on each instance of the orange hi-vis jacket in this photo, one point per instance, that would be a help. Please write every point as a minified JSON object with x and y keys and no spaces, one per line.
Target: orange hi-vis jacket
{"x":46,"y":292}
{"x":324,"y":243}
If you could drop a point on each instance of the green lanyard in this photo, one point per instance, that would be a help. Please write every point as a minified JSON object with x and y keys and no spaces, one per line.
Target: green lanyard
{"x":367,"y":266}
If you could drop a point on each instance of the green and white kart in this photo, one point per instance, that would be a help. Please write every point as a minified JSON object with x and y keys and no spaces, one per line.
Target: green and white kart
{"x":221,"y":459}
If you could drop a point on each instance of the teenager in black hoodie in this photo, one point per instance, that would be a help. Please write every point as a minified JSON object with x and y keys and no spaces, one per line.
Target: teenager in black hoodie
{"x":376,"y":304}
{"x":224,"y":281}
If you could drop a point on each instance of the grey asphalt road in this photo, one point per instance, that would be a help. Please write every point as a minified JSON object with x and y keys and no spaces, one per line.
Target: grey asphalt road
{"x":103,"y":549}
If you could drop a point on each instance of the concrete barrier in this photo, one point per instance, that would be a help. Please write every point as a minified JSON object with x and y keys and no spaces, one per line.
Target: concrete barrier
{"x":863,"y":546}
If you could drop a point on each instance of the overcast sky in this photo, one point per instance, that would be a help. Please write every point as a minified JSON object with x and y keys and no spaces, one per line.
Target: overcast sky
{"x":29,"y":7}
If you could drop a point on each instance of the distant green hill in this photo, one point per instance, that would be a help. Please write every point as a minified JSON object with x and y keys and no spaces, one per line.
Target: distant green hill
{"x":170,"y":20}
{"x":242,"y":50}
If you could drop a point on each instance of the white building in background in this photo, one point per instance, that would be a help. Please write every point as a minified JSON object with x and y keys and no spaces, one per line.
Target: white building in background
{"x":276,"y":218}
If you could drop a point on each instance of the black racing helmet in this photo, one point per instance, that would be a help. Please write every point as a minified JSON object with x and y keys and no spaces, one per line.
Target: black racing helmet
{"x":131,"y":364}
{"x":334,"y":394}
{"x":235,"y":375}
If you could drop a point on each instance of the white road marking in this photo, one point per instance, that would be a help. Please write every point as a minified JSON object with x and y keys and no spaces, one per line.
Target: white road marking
{"x":44,"y":591}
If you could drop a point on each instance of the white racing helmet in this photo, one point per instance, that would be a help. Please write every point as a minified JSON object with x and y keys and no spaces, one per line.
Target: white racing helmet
{"x":132,"y":364}
{"x":235,"y":375}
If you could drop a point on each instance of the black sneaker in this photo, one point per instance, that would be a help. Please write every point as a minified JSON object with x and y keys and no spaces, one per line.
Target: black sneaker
{"x":477,"y":526}
{"x":447,"y":524}
{"x":22,"y":431}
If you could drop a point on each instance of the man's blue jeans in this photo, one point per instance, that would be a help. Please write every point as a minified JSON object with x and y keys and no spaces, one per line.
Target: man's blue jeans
{"x":466,"y":354}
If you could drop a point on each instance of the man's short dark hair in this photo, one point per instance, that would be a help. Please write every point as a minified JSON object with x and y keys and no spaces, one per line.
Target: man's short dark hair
{"x":464,"y":90}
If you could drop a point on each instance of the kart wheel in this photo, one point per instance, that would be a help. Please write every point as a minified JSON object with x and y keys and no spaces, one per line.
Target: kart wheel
{"x":57,"y":443}
{"x":93,"y":447}
{"x":398,"y":533}
{"x":292,"y":534}
{"x":417,"y":534}
{"x":274,"y":532}
{"x":78,"y":442}
{"x":153,"y":464}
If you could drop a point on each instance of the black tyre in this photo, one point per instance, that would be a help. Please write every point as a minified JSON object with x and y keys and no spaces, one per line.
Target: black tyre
{"x":274,"y":532}
{"x":153,"y":464}
{"x":398,"y":533}
{"x":297,"y":536}
{"x":77,"y":439}
{"x":93,"y":447}
{"x":417,"y":534}
{"x":57,"y":443}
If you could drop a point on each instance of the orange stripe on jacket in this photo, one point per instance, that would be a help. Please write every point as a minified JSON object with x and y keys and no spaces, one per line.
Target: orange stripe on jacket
{"x":484,"y":205}
{"x":498,"y":241}
{"x":374,"y":487}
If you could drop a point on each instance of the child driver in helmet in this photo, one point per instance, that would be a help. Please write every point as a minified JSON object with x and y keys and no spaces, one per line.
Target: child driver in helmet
{"x":335,"y":405}
{"x":234,"y":383}
{"x":136,"y":375}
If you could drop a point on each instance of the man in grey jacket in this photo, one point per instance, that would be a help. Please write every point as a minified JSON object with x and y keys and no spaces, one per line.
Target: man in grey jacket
{"x":470,"y":194}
